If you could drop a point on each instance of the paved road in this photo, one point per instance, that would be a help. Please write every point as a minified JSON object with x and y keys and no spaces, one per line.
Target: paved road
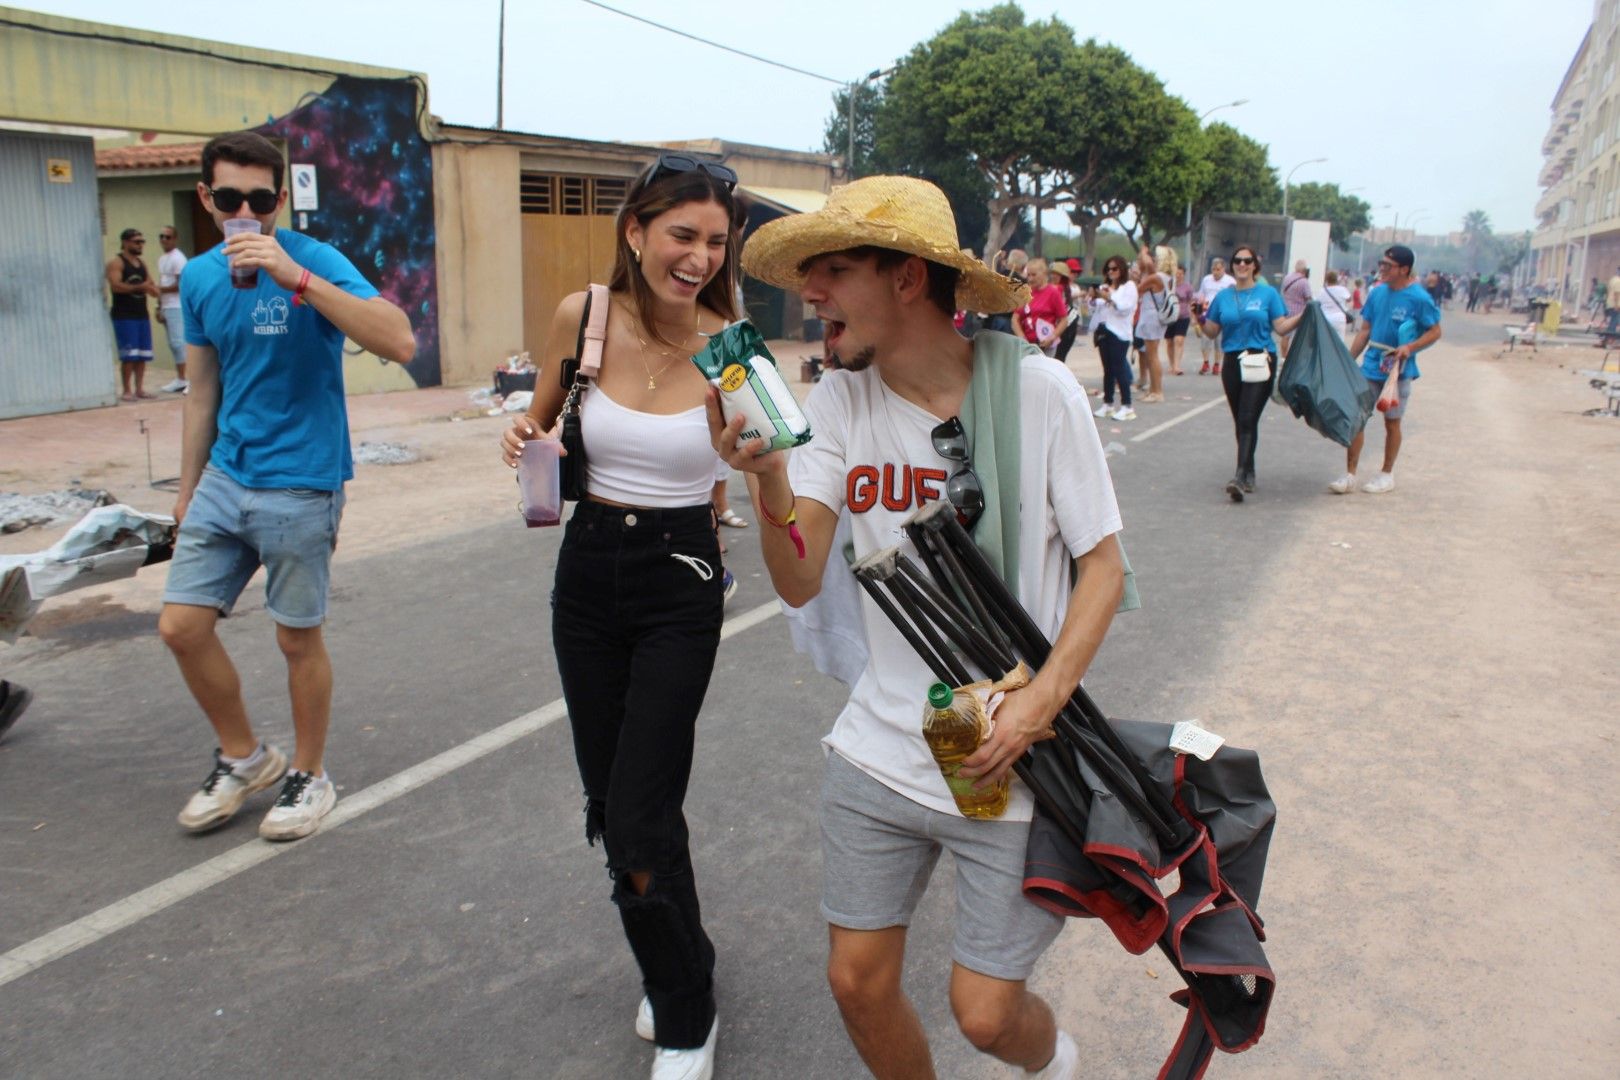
{"x":462,"y":928}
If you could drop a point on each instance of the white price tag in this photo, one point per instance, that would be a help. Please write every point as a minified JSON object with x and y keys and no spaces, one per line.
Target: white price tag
{"x":1188,"y":737}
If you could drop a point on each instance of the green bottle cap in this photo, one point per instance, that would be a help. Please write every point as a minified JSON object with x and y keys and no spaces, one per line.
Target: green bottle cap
{"x":940,"y":696}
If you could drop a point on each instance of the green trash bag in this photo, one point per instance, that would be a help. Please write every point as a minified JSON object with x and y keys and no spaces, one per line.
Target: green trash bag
{"x":1321,"y":384}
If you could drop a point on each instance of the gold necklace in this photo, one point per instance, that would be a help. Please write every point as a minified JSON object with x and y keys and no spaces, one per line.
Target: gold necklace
{"x":652,"y":376}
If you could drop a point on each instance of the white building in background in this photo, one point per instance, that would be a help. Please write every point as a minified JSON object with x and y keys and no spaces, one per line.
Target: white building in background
{"x":1577,"y":235}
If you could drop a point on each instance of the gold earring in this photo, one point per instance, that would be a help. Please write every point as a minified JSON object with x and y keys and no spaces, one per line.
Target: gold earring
{"x":637,"y":253}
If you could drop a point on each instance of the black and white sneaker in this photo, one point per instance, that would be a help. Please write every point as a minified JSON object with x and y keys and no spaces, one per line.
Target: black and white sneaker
{"x":304,"y":800}
{"x":227,"y":787}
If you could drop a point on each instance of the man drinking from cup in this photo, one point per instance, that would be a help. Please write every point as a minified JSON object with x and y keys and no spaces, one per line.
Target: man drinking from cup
{"x":264,"y":456}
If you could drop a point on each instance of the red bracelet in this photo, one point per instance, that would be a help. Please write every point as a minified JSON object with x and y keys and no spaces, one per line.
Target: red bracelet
{"x":790,"y":523}
{"x":298,"y":293}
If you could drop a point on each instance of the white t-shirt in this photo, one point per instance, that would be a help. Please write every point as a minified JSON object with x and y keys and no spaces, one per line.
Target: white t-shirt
{"x":1335,"y":312}
{"x":872,"y":453}
{"x":170,"y":264}
{"x":1115,"y":312}
{"x":1209,"y":286}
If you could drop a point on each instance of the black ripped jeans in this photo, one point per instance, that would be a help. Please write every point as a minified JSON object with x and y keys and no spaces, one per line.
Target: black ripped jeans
{"x":1247,"y":401}
{"x":636,"y":617}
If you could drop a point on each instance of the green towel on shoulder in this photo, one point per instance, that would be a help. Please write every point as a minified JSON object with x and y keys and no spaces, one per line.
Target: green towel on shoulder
{"x":992,"y":417}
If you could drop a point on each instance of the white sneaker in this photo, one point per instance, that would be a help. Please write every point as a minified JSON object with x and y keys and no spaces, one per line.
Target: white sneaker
{"x":304,"y":800}
{"x":644,"y":1020}
{"x":1344,"y":485}
{"x":223,"y":793}
{"x":1380,"y":484}
{"x":173,"y":386}
{"x":1125,"y":413}
{"x":1103,"y":409}
{"x":697,"y":1064}
{"x":1065,"y":1063}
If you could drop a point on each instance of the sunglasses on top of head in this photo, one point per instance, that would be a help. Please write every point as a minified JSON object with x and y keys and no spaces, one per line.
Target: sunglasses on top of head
{"x":672,"y":164}
{"x":963,"y":488}
{"x":230,"y":200}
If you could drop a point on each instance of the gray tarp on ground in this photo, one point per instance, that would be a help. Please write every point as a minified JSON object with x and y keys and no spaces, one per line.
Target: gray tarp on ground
{"x":108,"y":543}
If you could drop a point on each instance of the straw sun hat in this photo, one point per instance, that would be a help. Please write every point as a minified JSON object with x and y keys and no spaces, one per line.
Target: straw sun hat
{"x":900,"y":213}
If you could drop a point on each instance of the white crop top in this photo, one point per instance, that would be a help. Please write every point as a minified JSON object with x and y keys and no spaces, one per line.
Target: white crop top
{"x":646,"y":459}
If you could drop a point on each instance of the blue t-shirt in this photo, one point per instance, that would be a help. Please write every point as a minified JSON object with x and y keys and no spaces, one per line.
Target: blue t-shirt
{"x":1396,"y":318}
{"x":283,"y":421}
{"x":1244,"y":316}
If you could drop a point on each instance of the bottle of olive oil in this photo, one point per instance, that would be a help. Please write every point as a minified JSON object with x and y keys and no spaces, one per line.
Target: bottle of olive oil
{"x":954,"y":724}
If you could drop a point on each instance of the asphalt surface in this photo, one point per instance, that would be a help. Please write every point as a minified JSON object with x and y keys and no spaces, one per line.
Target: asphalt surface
{"x":464,"y":928}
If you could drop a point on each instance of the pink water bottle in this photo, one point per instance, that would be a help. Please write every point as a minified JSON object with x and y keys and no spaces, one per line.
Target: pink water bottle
{"x":539,"y":482}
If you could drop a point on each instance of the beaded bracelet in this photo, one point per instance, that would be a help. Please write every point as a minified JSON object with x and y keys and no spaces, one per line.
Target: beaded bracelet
{"x":790,"y":523}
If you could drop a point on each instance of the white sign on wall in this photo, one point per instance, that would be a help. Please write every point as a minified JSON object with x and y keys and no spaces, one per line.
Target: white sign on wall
{"x":304,"y":193}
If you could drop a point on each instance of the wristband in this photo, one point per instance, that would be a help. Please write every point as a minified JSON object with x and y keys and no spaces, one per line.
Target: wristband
{"x":298,"y":293}
{"x":790,"y":523}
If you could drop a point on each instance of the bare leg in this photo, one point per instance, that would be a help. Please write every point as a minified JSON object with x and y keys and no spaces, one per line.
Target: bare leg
{"x":189,"y":632}
{"x":1177,"y":346}
{"x":1352,"y":455}
{"x":125,"y":375}
{"x":309,"y":686}
{"x":1392,"y":443}
{"x":1003,"y":1018}
{"x":863,"y":969}
{"x":1151,"y":368}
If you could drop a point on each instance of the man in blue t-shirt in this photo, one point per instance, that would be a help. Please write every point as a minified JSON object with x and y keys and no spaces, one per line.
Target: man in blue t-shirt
{"x":264,"y":455}
{"x":1398,"y":320}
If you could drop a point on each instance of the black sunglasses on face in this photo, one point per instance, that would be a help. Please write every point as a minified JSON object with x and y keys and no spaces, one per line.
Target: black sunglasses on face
{"x":229,"y":200}
{"x":670,"y":164}
{"x":963,"y":488}
{"x":1242,"y":260}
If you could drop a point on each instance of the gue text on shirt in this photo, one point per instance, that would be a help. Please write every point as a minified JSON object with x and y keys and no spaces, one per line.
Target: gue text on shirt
{"x":897,"y":488}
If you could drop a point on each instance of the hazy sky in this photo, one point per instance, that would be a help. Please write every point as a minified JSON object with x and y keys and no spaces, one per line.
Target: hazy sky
{"x":1433,"y":107}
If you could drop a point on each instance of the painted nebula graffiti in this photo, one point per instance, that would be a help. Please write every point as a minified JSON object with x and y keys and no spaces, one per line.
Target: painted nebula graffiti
{"x":375,"y":178}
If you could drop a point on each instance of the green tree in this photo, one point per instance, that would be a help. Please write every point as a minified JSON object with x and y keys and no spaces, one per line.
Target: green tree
{"x":1175,"y":172}
{"x":998,"y":93}
{"x":868,"y":102}
{"x":1345,"y":214}
{"x":1478,"y":242}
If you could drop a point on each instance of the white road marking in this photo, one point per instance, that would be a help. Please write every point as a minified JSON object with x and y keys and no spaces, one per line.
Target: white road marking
{"x":1168,"y":424}
{"x":35,"y":954}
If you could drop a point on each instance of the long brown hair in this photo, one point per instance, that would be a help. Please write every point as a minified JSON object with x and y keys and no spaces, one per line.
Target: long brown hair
{"x":645,"y":201}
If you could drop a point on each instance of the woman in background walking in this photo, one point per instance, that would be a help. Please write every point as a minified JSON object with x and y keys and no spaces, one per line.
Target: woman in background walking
{"x":1113,"y":311}
{"x":1175,"y":335}
{"x":1244,"y":317}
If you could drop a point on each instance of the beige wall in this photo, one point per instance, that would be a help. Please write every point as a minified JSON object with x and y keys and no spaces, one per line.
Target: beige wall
{"x":480,"y":259}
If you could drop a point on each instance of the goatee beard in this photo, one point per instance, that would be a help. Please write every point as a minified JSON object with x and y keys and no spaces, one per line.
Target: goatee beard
{"x":859,"y":362}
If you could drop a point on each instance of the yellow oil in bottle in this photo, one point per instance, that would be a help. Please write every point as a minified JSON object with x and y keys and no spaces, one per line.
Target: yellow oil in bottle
{"x":954,"y":724}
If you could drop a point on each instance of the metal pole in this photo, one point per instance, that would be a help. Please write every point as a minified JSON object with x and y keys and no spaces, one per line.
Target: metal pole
{"x":500,"y":73}
{"x":849,"y":165}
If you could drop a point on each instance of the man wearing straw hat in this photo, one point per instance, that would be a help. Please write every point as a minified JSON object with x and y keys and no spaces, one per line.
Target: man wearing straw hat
{"x":918,"y":414}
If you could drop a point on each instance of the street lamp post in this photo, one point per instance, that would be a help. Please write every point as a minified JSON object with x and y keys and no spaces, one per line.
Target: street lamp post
{"x":876,"y":73}
{"x":1201,"y":119}
{"x":1291,"y":172}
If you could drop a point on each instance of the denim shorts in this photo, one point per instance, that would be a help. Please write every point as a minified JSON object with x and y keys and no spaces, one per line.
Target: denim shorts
{"x":230,"y":531}
{"x":878,"y":850}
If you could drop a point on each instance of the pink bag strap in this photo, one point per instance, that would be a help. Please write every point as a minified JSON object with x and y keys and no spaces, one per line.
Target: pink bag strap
{"x":590,"y":359}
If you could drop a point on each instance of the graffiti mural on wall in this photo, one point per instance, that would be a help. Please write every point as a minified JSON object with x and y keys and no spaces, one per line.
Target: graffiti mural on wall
{"x":375,"y":181}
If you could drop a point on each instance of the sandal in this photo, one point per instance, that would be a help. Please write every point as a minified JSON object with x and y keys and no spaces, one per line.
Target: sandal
{"x":730,"y":518}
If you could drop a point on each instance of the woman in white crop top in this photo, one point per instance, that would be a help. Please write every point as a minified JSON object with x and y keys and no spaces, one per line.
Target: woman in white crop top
{"x":637,"y":606}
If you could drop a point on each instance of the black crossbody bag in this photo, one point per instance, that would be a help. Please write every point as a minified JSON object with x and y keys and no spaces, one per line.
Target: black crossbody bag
{"x":578,"y":372}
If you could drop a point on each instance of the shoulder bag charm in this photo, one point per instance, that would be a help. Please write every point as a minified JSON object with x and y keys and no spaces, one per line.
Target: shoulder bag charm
{"x":577,"y":374}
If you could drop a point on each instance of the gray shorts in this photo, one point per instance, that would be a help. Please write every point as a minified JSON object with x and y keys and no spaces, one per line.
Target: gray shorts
{"x":878,"y":850}
{"x":1403,"y":387}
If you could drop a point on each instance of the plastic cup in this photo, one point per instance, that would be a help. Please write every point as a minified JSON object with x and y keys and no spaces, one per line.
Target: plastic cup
{"x":539,"y":483}
{"x":248,"y":276}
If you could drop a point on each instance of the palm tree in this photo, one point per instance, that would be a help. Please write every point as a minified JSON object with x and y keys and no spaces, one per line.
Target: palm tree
{"x":1477,"y":237}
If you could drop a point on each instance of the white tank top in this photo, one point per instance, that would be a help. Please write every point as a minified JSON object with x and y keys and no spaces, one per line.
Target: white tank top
{"x":646,"y":459}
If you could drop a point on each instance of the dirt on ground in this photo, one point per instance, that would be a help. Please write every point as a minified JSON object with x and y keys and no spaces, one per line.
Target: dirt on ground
{"x":1432,"y":679}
